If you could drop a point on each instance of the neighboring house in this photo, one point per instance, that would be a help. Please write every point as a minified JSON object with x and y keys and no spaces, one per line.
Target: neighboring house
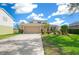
{"x":6,"y":22}
{"x":74,"y":28}
{"x":35,"y":26}
{"x":74,"y":25}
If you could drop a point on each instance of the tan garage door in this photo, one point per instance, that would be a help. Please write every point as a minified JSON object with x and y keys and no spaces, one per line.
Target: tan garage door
{"x":32,"y":29}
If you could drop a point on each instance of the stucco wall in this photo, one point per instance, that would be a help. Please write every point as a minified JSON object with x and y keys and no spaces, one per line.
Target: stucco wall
{"x":5,"y":30}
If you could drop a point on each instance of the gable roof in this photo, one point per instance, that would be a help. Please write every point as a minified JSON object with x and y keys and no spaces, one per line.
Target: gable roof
{"x":7,"y":13}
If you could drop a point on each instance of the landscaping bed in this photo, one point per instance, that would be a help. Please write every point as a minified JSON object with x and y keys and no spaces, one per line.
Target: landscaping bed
{"x":61,"y":44}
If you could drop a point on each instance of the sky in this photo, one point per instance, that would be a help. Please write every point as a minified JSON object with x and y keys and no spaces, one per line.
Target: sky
{"x":54,"y":13}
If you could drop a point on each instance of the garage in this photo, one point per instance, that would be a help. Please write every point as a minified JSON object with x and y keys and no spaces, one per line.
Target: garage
{"x":32,"y":28}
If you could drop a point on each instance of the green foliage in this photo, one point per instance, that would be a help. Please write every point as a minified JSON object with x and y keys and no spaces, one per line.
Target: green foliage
{"x":7,"y":35}
{"x":67,"y":44}
{"x":46,"y":28}
{"x":73,"y":31}
{"x":64,"y":29}
{"x":46,"y":25}
{"x":70,"y":50}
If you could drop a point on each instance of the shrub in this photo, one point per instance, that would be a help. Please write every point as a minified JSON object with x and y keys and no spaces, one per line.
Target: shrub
{"x":64,"y":29}
{"x":73,"y":31}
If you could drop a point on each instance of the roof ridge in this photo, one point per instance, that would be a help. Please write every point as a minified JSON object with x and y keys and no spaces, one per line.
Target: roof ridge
{"x":7,"y":13}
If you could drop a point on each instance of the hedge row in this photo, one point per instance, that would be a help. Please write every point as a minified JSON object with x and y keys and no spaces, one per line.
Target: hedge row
{"x":73,"y":31}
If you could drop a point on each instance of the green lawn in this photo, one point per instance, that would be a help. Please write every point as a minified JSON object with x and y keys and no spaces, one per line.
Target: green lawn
{"x":6,"y":36}
{"x":61,"y":44}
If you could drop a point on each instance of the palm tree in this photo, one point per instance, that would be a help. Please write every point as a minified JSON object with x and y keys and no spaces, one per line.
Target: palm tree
{"x":64,"y":29}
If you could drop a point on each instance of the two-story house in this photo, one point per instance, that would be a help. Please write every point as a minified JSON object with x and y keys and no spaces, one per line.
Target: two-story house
{"x":74,"y":25}
{"x":6,"y":22}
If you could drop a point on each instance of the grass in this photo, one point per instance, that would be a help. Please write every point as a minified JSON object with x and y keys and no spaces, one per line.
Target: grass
{"x":6,"y":36}
{"x":61,"y":44}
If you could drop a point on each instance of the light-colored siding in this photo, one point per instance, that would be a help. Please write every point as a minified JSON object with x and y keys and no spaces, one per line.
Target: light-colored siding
{"x":5,"y":30}
{"x":5,"y":18}
{"x":6,"y":23}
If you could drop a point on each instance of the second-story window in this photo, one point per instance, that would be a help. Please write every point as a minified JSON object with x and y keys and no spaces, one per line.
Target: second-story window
{"x":5,"y":18}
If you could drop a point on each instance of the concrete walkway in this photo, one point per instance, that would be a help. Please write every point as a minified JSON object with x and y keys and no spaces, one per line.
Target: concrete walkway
{"x":22,"y":44}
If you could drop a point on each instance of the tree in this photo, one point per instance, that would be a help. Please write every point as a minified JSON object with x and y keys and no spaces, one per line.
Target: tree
{"x":64,"y":29}
{"x":46,"y":28}
{"x":16,"y":28}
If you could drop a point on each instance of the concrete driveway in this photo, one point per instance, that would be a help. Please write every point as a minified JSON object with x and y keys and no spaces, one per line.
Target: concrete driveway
{"x":22,"y":44}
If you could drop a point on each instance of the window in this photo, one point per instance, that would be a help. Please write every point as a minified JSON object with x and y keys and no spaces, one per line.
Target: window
{"x":5,"y":18}
{"x":39,"y":21}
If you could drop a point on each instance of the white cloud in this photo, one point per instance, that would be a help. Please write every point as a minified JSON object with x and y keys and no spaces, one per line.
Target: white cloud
{"x":57,"y":21}
{"x":62,"y":3}
{"x":39,"y":18}
{"x":32,"y":15}
{"x":24,"y":7}
{"x":49,"y":16}
{"x":36,"y":16}
{"x":24,"y":21}
{"x":62,"y":9}
{"x":65,"y":23}
{"x":41,"y":15}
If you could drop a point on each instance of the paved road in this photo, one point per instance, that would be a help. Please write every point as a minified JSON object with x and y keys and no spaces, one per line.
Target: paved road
{"x":22,"y":44}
